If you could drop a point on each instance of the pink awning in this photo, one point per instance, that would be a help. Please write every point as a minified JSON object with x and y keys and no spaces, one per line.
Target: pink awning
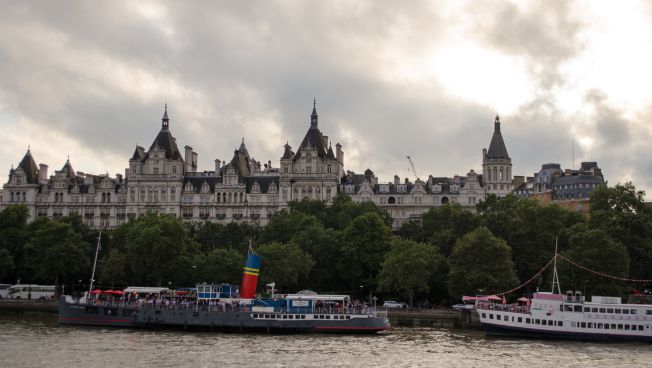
{"x":494,"y":297}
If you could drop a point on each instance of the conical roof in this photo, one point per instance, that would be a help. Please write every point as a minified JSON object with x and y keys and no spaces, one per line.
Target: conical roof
{"x":29,"y":166}
{"x":67,"y":168}
{"x":497,"y":147}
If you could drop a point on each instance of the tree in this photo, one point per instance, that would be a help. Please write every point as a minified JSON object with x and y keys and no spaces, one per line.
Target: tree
{"x":480,"y":262}
{"x":366,"y":240}
{"x":219,"y":266}
{"x":285,"y":224}
{"x":343,"y":210}
{"x":159,"y":250}
{"x":13,"y":235}
{"x":442,"y":226}
{"x":6,"y":263}
{"x":409,"y":268}
{"x":621,"y":212}
{"x":594,"y":249}
{"x":323,"y":245}
{"x":56,"y":252}
{"x":112,"y":268}
{"x":285,"y":264}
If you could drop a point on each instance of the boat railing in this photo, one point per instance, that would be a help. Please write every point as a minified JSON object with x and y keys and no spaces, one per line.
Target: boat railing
{"x":516,"y":308}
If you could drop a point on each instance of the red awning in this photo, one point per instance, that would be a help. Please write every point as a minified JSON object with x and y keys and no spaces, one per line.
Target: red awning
{"x":114,"y":292}
{"x":494,"y":297}
{"x":96,"y":291}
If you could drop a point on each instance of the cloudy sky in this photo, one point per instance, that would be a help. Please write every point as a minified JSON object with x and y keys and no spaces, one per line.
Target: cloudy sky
{"x":422,"y":78}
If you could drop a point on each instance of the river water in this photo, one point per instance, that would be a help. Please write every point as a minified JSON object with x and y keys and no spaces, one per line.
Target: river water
{"x":37,"y":341}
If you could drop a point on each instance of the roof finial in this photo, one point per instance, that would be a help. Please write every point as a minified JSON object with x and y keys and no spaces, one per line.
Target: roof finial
{"x":165,"y":121}
{"x":313,"y":116}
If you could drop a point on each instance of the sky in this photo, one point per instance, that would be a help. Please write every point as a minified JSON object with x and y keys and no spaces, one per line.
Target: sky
{"x":570,"y":80}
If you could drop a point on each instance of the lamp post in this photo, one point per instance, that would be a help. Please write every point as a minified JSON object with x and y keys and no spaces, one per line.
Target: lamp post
{"x":374,"y":299}
{"x":362,"y":293}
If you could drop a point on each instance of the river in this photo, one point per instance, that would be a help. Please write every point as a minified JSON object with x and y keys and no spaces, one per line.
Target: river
{"x":37,"y":341}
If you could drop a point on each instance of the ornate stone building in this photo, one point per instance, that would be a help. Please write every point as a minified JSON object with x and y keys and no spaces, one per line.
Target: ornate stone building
{"x":162,"y":179}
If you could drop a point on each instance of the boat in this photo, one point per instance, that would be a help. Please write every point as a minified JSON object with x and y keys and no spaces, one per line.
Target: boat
{"x":223,"y":307}
{"x":565,"y":316}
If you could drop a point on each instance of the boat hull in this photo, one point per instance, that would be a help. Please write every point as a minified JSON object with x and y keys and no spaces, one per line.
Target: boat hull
{"x":513,"y":331}
{"x":211,"y":320}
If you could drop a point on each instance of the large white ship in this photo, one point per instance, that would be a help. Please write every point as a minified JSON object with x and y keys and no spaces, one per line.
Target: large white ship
{"x":569,"y":316}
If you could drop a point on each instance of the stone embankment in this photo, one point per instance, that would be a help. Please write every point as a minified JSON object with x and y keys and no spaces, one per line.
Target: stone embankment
{"x":435,"y":317}
{"x":20,"y":306}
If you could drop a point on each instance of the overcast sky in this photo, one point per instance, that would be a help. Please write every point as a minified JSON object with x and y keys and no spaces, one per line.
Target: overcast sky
{"x":89,"y":79}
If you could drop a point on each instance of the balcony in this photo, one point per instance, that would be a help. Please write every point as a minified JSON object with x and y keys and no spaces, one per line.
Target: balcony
{"x":220,"y":216}
{"x":204,"y":215}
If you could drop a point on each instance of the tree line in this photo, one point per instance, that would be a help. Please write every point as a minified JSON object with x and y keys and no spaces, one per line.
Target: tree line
{"x":349,"y":248}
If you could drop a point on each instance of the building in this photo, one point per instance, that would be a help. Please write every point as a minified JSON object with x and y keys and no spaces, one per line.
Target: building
{"x":497,"y":165}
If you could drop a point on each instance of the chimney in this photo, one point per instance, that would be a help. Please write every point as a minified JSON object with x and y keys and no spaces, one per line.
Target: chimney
{"x":339,"y":154}
{"x":42,"y":173}
{"x":188,"y":158}
{"x":119,"y":177}
{"x":269,"y":165}
{"x":217,"y":167}
{"x":397,"y":180}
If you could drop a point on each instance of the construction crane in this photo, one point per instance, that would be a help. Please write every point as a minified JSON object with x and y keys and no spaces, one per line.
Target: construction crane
{"x":414,"y":171}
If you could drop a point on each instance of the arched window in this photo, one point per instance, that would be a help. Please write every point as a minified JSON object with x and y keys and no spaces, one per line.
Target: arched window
{"x":391,"y":200}
{"x":444,"y":200}
{"x":224,"y":197}
{"x":219,"y":197}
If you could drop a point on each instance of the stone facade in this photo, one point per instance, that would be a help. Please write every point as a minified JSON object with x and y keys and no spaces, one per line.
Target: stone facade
{"x":162,"y":179}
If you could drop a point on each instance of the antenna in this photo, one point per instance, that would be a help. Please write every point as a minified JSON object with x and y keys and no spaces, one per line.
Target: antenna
{"x":555,"y":277}
{"x":97,"y":250}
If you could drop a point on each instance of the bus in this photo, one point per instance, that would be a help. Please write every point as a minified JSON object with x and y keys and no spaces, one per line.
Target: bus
{"x":31,"y":291}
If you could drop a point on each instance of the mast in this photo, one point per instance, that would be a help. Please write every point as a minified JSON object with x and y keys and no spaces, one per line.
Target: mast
{"x":555,"y":277}
{"x":97,"y":251}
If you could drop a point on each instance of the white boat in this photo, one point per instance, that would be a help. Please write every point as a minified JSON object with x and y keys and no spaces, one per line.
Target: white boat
{"x":569,"y":316}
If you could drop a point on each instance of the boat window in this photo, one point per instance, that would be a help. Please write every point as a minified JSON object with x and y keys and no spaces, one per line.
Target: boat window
{"x":594,"y":310}
{"x":110,"y":312}
{"x":537,"y":321}
{"x":491,"y":316}
{"x":285,"y":316}
{"x":626,"y":327}
{"x":520,"y":319}
{"x":633,"y":311}
{"x":599,"y":325}
{"x":587,"y":309}
{"x":573,"y":324}
{"x":568,"y":308}
{"x":617,"y":311}
{"x":640,"y":327}
{"x":348,"y":317}
{"x":315,"y":317}
{"x":291,"y":316}
{"x":278,"y":316}
{"x":560,"y":323}
{"x":613,"y":326}
{"x":625,"y":311}
{"x":498,"y":317}
{"x":328,"y":317}
{"x":606,"y":326}
{"x":92,"y":310}
{"x":485,"y":316}
{"x":590,"y":325}
{"x":577,"y":308}
{"x":303,"y":316}
{"x":602,"y":310}
{"x":527,"y":320}
{"x":255,"y":315}
{"x":582,"y":324}
{"x":551,"y":323}
{"x":648,"y":312}
{"x":321,"y":316}
{"x":620,"y":327}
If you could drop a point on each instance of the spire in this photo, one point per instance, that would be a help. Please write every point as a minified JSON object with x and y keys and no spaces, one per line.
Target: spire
{"x":29,"y":166}
{"x":313,"y":117}
{"x":497,"y":147}
{"x":165,"y":121}
{"x":243,"y":148}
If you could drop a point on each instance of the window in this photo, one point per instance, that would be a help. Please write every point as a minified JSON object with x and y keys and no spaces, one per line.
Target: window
{"x":156,"y":171}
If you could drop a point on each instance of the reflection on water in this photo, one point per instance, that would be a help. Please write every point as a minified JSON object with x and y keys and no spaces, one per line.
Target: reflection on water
{"x":28,"y":341}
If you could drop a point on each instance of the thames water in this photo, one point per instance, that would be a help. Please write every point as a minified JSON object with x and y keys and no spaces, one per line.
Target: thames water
{"x":37,"y":341}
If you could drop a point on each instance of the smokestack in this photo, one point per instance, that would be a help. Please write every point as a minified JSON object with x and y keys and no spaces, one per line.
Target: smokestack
{"x":217,"y":167}
{"x":42,"y":173}
{"x":188,"y":158}
{"x":250,"y":275}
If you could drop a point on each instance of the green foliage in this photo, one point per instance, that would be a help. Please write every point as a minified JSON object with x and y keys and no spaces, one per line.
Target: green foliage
{"x":285,"y":264}
{"x":343,"y":210}
{"x":443,"y":226}
{"x":367,"y":240}
{"x":219,"y":266}
{"x":285,"y":224}
{"x":596,"y":250}
{"x":13,"y":235}
{"x":622,"y":214}
{"x":410,"y":268}
{"x":55,"y":251}
{"x":6,"y":263}
{"x":323,"y":245}
{"x":158,"y":249}
{"x":480,"y":263}
{"x":113,"y":269}
{"x":211,"y":236}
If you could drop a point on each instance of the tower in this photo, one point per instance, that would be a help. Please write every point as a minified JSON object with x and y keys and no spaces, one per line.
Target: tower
{"x":497,"y":165}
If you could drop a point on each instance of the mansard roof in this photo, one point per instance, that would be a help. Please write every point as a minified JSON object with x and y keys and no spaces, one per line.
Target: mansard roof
{"x":166,"y":141}
{"x":287,"y":154}
{"x":497,"y":147}
{"x":314,"y":138}
{"x":139,"y":154}
{"x":29,"y":166}
{"x":242,"y":163}
{"x":263,"y":181}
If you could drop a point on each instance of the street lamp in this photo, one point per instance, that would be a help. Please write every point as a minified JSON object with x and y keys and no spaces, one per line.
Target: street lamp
{"x":374,"y":299}
{"x":362,"y":293}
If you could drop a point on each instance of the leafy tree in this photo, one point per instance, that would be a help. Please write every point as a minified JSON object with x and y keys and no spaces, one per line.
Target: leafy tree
{"x":621,"y":212}
{"x":343,"y":210}
{"x":594,"y":248}
{"x":323,"y":245}
{"x":315,"y":208}
{"x":159,"y":250}
{"x":56,"y":252}
{"x":6,"y":263}
{"x":410,"y":268}
{"x":443,"y":225}
{"x":284,"y":225}
{"x":13,"y":234}
{"x":219,"y":265}
{"x":367,"y":239}
{"x":285,"y":264}
{"x":480,"y":262}
{"x":112,"y":268}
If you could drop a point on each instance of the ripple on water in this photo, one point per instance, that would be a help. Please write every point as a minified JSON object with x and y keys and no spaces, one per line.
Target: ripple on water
{"x":39,"y":341}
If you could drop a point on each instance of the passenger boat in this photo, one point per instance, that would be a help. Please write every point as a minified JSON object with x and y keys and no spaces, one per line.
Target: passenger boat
{"x":569,"y":316}
{"x":226,"y":308}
